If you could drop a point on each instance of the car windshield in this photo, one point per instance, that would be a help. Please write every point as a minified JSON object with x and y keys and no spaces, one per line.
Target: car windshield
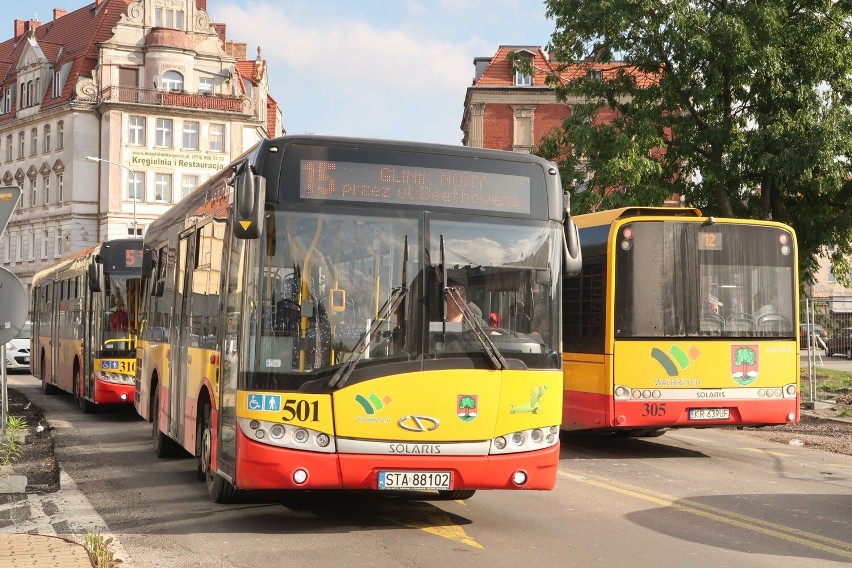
{"x":25,"y":331}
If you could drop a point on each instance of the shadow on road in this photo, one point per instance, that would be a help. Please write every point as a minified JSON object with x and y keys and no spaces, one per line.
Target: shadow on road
{"x":802,"y":526}
{"x":611,"y":446}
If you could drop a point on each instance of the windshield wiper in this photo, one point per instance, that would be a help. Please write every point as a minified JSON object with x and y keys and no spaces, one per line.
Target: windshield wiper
{"x":390,"y":306}
{"x":475,"y":323}
{"x":342,"y":375}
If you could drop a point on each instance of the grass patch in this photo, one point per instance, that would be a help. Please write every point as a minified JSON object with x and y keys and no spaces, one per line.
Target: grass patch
{"x":11,"y":445}
{"x":829,"y":382}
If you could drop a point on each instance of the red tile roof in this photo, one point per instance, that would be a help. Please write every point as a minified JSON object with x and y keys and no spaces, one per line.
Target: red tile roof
{"x":499,"y":72}
{"x":70,"y":38}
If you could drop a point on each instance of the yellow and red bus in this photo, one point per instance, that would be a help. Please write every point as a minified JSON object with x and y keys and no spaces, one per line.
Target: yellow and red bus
{"x":84,"y":311}
{"x":680,"y":320}
{"x":295,"y":330}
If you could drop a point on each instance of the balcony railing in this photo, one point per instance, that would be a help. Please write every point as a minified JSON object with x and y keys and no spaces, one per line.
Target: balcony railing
{"x":227,"y":103}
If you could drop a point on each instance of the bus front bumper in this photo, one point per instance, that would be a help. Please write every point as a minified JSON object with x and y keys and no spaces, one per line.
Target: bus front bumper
{"x":261,"y":466}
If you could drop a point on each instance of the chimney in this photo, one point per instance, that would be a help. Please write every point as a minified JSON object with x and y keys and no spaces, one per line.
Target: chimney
{"x":237,"y":50}
{"x":58,"y":13}
{"x":220,"y":29}
{"x":201,"y":5}
{"x":24,"y":26}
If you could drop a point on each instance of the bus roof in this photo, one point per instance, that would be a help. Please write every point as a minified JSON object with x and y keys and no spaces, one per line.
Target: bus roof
{"x":610,"y":215}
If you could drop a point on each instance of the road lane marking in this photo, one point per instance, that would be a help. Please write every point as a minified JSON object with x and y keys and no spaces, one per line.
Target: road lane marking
{"x":768,"y":452}
{"x":435,"y":522}
{"x":790,"y":534}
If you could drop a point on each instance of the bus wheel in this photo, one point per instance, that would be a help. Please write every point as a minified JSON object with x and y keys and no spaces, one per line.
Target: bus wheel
{"x":46,"y":387}
{"x":457,"y":494}
{"x":85,"y":405}
{"x":164,"y":447}
{"x":219,"y":489}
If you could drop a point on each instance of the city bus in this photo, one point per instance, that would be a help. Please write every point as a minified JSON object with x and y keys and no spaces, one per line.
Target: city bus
{"x":294,"y":328}
{"x":84,"y":315}
{"x":680,"y":320}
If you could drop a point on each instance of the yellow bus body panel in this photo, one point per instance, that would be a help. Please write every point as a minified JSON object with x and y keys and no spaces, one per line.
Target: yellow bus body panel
{"x":706,"y":364}
{"x":466,"y":405}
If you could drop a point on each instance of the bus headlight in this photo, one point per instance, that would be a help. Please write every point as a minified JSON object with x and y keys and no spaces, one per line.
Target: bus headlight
{"x":276,"y":434}
{"x":525,"y":440}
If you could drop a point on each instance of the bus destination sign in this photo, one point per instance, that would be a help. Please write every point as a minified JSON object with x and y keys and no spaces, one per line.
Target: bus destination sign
{"x":412,"y":185}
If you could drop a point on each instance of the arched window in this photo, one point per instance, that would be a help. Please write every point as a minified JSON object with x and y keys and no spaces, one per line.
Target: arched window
{"x":172,"y":81}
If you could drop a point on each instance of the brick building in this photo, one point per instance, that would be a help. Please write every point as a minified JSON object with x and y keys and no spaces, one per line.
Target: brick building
{"x":151,"y":88}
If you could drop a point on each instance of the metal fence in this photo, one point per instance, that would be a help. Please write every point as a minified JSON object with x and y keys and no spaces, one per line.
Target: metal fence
{"x":825,"y":329}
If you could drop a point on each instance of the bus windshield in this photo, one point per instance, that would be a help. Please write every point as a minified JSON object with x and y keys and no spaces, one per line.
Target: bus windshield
{"x":119,"y":320}
{"x":706,"y":280}
{"x":323,"y":280}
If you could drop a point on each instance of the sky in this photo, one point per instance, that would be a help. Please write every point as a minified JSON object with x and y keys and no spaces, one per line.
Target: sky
{"x":394,"y":69}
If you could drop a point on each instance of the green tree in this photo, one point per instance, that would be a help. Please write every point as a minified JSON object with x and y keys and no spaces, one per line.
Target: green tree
{"x":744,"y":357}
{"x":741,"y":107}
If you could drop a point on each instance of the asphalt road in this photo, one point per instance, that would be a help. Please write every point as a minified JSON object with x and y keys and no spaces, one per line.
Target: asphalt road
{"x":692,"y":498}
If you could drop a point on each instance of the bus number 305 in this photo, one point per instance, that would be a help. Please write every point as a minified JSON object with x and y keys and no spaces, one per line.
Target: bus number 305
{"x":654,"y":409}
{"x":300,"y":410}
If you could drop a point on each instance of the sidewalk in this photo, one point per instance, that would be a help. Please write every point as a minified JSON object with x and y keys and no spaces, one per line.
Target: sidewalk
{"x":48,"y":529}
{"x":36,"y":529}
{"x":28,"y":550}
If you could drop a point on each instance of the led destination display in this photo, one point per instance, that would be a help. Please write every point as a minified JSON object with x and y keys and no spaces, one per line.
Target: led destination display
{"x":411,"y":185}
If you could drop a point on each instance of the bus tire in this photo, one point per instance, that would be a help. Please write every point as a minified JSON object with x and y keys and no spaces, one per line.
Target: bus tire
{"x":164,"y":447}
{"x":456,"y":494}
{"x":86,"y":406}
{"x":46,"y":387}
{"x":219,"y":489}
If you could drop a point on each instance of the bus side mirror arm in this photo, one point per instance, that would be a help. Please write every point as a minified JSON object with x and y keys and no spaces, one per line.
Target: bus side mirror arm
{"x":95,"y":276}
{"x":573,"y":257}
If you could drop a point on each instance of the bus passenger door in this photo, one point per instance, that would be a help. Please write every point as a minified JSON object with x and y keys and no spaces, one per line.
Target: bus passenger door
{"x":180,"y":332}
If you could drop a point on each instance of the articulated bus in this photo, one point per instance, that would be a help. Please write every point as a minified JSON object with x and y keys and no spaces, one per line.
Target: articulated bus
{"x":680,"y":320}
{"x":296,"y":329}
{"x":84,"y":323}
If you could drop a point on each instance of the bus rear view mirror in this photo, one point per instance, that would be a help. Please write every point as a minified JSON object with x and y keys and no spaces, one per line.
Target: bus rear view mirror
{"x":95,"y":276}
{"x":249,"y":197}
{"x":573,"y":257}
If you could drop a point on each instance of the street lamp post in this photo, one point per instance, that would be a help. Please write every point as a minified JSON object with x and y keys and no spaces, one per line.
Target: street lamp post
{"x":129,"y":174}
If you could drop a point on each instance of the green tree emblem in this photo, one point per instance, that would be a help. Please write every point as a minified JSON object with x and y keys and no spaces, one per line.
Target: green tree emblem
{"x":745,"y":357}
{"x":467,"y":403}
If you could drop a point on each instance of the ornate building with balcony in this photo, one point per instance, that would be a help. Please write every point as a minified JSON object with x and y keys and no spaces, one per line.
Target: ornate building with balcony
{"x":112,"y":113}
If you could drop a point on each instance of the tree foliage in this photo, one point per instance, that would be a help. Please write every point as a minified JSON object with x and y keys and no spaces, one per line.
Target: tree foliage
{"x":741,"y":107}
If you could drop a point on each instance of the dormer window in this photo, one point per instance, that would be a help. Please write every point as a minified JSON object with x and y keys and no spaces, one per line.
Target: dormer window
{"x":168,"y":18}
{"x":596,"y":74}
{"x":522,"y":79}
{"x":57,"y":84}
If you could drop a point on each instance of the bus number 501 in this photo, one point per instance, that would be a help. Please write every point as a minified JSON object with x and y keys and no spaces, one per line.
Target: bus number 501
{"x":654,"y":409}
{"x":300,"y":410}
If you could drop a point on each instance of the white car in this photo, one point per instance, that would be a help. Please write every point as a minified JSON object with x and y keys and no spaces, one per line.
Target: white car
{"x":18,"y":350}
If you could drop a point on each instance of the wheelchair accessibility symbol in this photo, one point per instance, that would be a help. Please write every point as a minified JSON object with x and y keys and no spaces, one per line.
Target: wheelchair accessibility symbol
{"x":264,"y":402}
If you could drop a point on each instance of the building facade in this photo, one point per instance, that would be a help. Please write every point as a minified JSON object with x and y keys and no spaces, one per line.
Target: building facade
{"x":509,"y":110}
{"x":112,"y":113}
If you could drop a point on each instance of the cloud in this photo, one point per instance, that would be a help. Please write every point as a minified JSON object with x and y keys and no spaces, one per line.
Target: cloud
{"x":350,"y":53}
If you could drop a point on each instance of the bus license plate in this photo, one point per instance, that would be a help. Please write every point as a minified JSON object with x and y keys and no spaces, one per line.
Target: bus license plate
{"x":709,"y":413}
{"x":414,"y":480}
